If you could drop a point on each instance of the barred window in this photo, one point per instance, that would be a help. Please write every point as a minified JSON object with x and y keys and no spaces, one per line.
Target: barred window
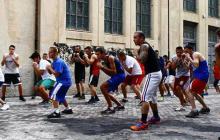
{"x":213,"y":8}
{"x":143,"y":16}
{"x":190,"y":34}
{"x":113,"y":16}
{"x":189,"y":5}
{"x":77,"y":14}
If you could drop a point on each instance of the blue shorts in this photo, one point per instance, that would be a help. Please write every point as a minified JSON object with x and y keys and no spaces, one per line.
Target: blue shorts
{"x":115,"y":81}
{"x":58,"y":92}
{"x":1,"y":83}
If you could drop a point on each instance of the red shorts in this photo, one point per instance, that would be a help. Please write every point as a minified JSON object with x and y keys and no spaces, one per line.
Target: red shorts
{"x":133,"y":79}
{"x":197,"y":86}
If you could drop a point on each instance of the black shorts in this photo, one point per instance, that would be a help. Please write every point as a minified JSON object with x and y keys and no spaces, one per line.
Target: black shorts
{"x":12,"y":78}
{"x":79,"y":76}
{"x":216,"y":83}
{"x":93,"y":80}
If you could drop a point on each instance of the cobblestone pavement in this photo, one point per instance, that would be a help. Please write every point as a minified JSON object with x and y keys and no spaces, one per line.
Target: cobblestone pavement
{"x":28,"y":121}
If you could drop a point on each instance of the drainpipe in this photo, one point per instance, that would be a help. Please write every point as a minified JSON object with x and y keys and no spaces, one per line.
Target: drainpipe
{"x":36,"y":38}
{"x":168,"y":29}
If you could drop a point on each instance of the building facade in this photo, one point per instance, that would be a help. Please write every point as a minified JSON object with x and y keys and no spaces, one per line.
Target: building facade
{"x":36,"y":24}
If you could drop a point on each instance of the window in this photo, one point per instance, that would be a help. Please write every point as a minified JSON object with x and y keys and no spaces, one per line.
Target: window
{"x":190,"y":33}
{"x":77,"y":14}
{"x":113,"y":16}
{"x":189,"y":5}
{"x":143,"y":16}
{"x":213,"y":8}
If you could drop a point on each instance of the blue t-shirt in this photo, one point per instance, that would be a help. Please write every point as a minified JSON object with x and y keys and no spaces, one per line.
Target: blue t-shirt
{"x":61,"y":67}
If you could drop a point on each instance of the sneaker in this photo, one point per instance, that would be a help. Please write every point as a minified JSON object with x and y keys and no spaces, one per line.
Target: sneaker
{"x":204,"y":111}
{"x":124,"y":100}
{"x":160,"y":99}
{"x":108,"y":111}
{"x":54,"y":115}
{"x":154,"y":120}
{"x":97,"y":98}
{"x":91,"y":101}
{"x":193,"y":114}
{"x":5,"y":107}
{"x":44,"y":102}
{"x":77,"y":95}
{"x":139,"y":126}
{"x":67,"y":111}
{"x":181,"y":108}
{"x":136,"y":97}
{"x":205,"y":94}
{"x":22,"y":99}
{"x":119,"y":108}
{"x":82,"y":97}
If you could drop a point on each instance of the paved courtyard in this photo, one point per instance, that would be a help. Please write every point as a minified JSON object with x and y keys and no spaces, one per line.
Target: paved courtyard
{"x":28,"y":121}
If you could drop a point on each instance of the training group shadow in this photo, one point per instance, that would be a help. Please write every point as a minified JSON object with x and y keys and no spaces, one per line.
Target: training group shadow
{"x":95,"y":126}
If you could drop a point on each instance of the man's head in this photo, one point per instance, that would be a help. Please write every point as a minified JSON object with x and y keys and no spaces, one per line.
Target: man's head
{"x":101,"y":53}
{"x":77,"y":49}
{"x":179,"y":51}
{"x":35,"y":57}
{"x":188,"y":49}
{"x":53,"y":52}
{"x":165,"y":57}
{"x":45,"y":56}
{"x":11,"y":49}
{"x":88,"y":50}
{"x":121,"y":55}
{"x":139,"y":38}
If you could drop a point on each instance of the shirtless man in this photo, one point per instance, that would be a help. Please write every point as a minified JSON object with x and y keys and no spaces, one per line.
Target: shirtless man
{"x":200,"y":76}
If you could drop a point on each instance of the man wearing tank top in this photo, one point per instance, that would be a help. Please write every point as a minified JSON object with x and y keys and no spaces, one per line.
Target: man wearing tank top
{"x":11,"y":72}
{"x":153,"y":73}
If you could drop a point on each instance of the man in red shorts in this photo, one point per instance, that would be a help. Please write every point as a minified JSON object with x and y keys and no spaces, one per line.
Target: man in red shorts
{"x":200,"y":76}
{"x":133,"y":74}
{"x":181,"y":78}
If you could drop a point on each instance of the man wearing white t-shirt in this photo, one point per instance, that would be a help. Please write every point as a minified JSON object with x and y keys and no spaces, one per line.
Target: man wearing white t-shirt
{"x":133,"y":74}
{"x":5,"y":106}
{"x":48,"y":80}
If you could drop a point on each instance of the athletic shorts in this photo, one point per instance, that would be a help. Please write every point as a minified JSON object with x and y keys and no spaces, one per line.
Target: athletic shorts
{"x":1,"y":83}
{"x":59,"y":92}
{"x":80,"y":77}
{"x":12,"y":78}
{"x":149,"y":91}
{"x":181,"y":81}
{"x":169,"y":79}
{"x":215,"y":84}
{"x":115,"y":81}
{"x":133,"y":79}
{"x":93,"y":80}
{"x":197,"y":86}
{"x":46,"y":83}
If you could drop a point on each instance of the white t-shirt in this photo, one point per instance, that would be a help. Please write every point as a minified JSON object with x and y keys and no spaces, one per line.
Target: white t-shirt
{"x":10,"y":66}
{"x":133,"y":63}
{"x":46,"y":75}
{"x":2,"y":79}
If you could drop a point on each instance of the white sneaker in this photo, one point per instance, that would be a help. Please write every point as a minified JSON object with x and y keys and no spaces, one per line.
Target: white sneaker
{"x":5,"y":107}
{"x":181,"y":108}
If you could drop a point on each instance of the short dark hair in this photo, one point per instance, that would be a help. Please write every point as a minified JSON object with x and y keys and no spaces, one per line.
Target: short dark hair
{"x":165,"y":56}
{"x":141,"y":34}
{"x":188,"y":46}
{"x":12,"y":46}
{"x":35,"y":55}
{"x":45,"y":54}
{"x":121,"y":52}
{"x":89,"y":48}
{"x":179,"y":48}
{"x":101,"y":50}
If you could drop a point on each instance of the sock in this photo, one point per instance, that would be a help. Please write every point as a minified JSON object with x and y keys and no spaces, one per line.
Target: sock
{"x":155,"y":114}
{"x":112,"y":108}
{"x":144,"y":118}
{"x":67,"y":108}
{"x":194,"y":110}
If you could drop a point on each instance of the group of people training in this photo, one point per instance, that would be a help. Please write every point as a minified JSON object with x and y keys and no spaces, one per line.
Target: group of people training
{"x":188,"y":75}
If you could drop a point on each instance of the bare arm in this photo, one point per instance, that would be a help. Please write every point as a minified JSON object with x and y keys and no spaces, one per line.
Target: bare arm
{"x":52,"y":71}
{"x":195,"y":60}
{"x":91,"y":60}
{"x":16,"y":61}
{"x":142,"y":56}
{"x":109,"y":71}
{"x":3,"y":61}
{"x":37,"y":70}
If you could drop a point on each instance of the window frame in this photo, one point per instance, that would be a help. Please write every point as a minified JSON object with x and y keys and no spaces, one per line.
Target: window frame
{"x":190,"y":5}
{"x":214,"y":6}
